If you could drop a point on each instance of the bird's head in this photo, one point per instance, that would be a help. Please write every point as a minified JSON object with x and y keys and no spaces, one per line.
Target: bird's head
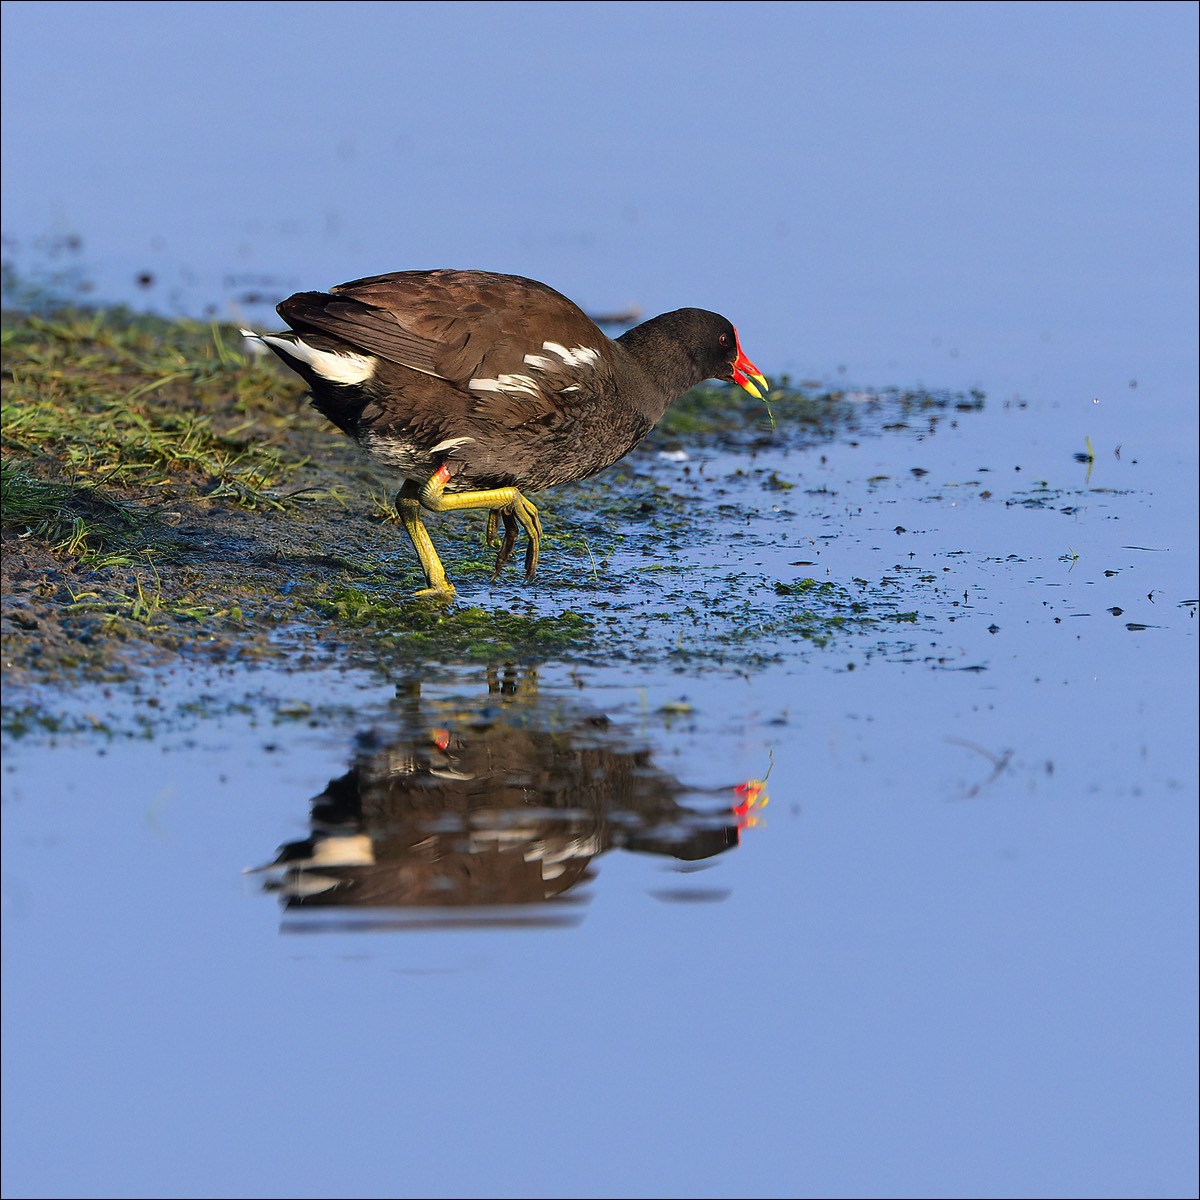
{"x":722,"y":356}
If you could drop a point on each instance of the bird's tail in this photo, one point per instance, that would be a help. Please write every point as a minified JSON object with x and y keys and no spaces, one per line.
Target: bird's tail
{"x":310,"y":362}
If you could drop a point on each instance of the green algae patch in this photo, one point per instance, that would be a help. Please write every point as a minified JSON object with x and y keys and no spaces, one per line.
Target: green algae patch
{"x":797,"y":414}
{"x":423,"y":628}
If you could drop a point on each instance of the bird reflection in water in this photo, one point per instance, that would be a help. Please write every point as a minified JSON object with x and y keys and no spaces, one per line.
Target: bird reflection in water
{"x":472,"y":810}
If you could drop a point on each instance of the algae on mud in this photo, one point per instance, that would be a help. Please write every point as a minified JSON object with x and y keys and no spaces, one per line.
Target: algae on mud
{"x":166,"y":494}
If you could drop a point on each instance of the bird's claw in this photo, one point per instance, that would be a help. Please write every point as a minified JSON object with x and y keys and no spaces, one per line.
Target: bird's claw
{"x":523,"y":512}
{"x":509,"y":541}
{"x":517,"y":514}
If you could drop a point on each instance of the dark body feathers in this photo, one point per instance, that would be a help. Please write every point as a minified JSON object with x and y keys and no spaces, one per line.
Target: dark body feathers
{"x":501,"y":378}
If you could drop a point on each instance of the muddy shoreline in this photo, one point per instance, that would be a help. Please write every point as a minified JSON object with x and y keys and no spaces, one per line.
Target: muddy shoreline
{"x":169,"y":498}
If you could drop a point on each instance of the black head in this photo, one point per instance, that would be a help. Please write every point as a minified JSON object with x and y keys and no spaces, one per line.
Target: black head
{"x":713,"y":343}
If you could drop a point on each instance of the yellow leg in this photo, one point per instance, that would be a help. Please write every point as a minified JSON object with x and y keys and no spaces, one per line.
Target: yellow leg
{"x":507,"y":501}
{"x":408,"y":504}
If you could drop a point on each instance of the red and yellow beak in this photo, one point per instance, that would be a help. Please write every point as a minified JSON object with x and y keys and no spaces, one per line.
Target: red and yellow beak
{"x":747,"y":375}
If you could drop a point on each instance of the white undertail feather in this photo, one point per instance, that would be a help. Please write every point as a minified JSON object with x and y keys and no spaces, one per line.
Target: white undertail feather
{"x":330,"y":365}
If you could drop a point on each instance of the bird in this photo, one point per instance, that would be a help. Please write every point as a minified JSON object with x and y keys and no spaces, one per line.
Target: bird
{"x":476,"y":388}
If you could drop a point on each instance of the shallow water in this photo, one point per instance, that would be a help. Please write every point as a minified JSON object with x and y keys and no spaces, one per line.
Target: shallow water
{"x":955,"y":953}
{"x":528,"y":944}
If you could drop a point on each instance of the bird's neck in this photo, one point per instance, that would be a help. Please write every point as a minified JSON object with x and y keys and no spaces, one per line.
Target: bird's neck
{"x":664,"y":363}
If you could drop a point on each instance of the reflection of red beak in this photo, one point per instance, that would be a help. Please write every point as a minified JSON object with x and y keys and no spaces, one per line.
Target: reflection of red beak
{"x":751,"y":797}
{"x":747,"y":375}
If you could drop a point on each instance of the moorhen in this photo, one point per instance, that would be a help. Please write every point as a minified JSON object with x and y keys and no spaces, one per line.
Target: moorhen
{"x":477,"y":388}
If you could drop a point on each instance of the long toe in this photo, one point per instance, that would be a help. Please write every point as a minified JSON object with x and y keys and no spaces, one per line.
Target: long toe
{"x":533,"y":529}
{"x":443,"y":595}
{"x":507,"y":545}
{"x":527,"y":515}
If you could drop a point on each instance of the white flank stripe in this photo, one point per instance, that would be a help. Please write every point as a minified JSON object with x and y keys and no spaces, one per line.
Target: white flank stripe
{"x":581,"y":356}
{"x":539,"y":361}
{"x":337,"y":368}
{"x":450,"y":444}
{"x":509,"y":384}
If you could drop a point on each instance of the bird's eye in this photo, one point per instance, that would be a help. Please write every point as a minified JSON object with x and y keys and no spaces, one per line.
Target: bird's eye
{"x":724,"y":340}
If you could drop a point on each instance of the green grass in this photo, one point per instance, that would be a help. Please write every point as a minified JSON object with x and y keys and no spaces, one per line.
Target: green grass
{"x":78,"y":521}
{"x":98,"y":399}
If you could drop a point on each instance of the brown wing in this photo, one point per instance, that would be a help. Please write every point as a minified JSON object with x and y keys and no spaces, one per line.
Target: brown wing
{"x":460,"y":326}
{"x":361,"y":326}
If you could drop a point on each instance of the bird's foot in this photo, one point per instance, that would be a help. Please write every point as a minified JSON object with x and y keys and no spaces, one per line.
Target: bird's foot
{"x":521,"y":511}
{"x":443,"y":593}
{"x":505,"y":501}
{"x":505,"y":546}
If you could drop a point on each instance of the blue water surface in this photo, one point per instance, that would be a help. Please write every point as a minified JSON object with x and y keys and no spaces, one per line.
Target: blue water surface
{"x":955,"y":954}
